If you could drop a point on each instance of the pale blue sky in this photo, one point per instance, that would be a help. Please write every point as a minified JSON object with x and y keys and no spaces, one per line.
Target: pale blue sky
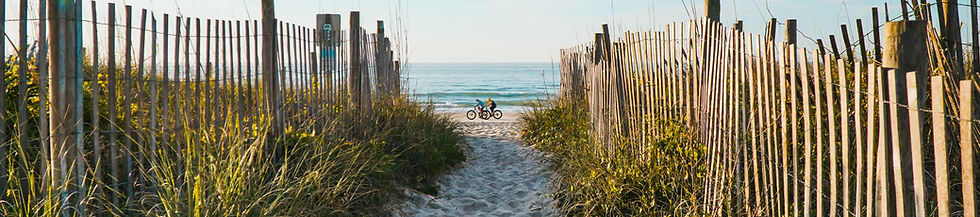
{"x":521,"y":30}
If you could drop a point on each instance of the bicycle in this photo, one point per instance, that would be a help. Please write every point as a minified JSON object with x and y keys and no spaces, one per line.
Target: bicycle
{"x":483,"y":114}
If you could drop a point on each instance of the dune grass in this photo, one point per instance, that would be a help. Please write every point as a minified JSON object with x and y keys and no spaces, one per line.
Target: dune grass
{"x":328,"y":162}
{"x":659,"y":178}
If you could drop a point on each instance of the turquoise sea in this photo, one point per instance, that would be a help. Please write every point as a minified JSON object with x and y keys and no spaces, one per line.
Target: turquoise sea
{"x":454,"y":87}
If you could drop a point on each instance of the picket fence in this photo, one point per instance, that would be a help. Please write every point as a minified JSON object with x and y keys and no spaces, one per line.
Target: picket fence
{"x":788,"y":131}
{"x":159,"y":79}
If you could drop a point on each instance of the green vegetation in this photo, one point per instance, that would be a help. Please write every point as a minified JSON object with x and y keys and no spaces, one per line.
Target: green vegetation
{"x":660,"y":178}
{"x":329,"y":163}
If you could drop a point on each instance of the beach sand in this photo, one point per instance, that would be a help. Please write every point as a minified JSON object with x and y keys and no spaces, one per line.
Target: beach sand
{"x":501,"y":177}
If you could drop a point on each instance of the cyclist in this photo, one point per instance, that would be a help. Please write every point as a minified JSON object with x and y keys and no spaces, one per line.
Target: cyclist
{"x":493,"y":105}
{"x":480,"y":105}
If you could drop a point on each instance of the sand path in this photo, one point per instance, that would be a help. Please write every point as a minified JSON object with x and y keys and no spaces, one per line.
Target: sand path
{"x":501,"y":177}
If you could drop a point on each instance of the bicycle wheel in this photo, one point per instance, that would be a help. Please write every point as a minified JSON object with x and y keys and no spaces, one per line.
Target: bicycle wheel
{"x":497,"y":114}
{"x":485,"y":115}
{"x":471,"y":114}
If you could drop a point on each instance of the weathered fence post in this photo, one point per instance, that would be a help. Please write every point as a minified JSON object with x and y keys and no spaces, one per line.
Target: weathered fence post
{"x":968,"y":147}
{"x":153,"y":91}
{"x":270,"y":66}
{"x":141,"y":79}
{"x":22,"y":138}
{"x":915,"y":99}
{"x":712,"y":9}
{"x":42,"y":84}
{"x":618,"y":78}
{"x":939,"y":144}
{"x":379,"y":53}
{"x":861,"y":42}
{"x":208,"y":71}
{"x":165,"y":108}
{"x":113,"y":105}
{"x":127,"y":105}
{"x":903,"y":45}
{"x":354,"y":85}
{"x":95,"y":86}
{"x":250,"y":101}
{"x":876,"y":34}
{"x":951,"y":38}
{"x":239,"y":90}
{"x":846,"y":39}
{"x":65,"y":71}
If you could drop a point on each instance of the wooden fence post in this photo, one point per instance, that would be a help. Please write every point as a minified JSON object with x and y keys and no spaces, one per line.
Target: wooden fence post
{"x":269,"y":65}
{"x":808,"y":133}
{"x":255,"y":50}
{"x":186,"y":86}
{"x":885,"y":187}
{"x":250,"y":95}
{"x":951,"y":39}
{"x":208,"y":70}
{"x":239,"y":88}
{"x":872,"y":133}
{"x":904,"y":43}
{"x":615,"y":69}
{"x":916,"y":140}
{"x":846,"y":38}
{"x":379,"y":66}
{"x":224,"y":81}
{"x":23,"y":140}
{"x":65,"y":71}
{"x":289,"y":42}
{"x":833,"y":136}
{"x":153,"y":91}
{"x":861,"y":42}
{"x":198,"y":103}
{"x":95,"y":86}
{"x":845,"y":144}
{"x":968,"y":147}
{"x":792,"y":56}
{"x":354,"y":84}
{"x":127,"y":104}
{"x":41,"y":62}
{"x":712,"y":10}
{"x":940,"y":144}
{"x":141,"y":77}
{"x":164,"y":118}
{"x":876,"y":33}
{"x":819,"y":164}
{"x":858,"y":142}
{"x":113,"y":105}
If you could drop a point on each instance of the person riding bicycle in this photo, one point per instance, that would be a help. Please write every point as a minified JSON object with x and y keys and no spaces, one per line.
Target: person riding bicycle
{"x":493,"y":105}
{"x":480,"y":105}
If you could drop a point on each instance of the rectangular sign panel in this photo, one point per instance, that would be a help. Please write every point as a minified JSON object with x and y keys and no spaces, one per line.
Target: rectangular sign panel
{"x":328,"y":27}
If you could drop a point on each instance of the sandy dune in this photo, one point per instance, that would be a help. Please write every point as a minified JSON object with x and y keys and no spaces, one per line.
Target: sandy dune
{"x":501,"y":177}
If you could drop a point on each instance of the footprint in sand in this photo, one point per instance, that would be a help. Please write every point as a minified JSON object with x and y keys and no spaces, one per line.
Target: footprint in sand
{"x":501,"y":177}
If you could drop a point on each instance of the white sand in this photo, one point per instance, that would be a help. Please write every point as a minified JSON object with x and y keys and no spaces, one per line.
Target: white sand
{"x":501,"y":177}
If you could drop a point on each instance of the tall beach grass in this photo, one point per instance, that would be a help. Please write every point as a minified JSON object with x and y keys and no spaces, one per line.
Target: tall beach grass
{"x":657,"y":178}
{"x":327,"y":162}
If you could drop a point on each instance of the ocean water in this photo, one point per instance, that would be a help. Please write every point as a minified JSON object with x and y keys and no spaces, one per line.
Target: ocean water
{"x":454,"y":87}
